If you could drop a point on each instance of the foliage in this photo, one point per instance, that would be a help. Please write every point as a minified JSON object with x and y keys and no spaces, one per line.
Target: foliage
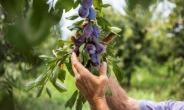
{"x":143,"y":43}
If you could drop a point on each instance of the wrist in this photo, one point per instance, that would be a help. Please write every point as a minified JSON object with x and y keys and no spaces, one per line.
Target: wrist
{"x":98,"y":104}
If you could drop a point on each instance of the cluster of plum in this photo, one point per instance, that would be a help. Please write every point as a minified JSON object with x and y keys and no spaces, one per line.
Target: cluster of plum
{"x":91,"y":33}
{"x":86,"y":11}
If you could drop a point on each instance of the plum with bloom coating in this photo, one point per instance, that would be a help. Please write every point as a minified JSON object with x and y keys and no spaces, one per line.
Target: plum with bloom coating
{"x":96,"y":31}
{"x":88,"y":31}
{"x":91,"y":49}
{"x":95,"y":60}
{"x":83,"y":12}
{"x":99,"y":48}
{"x":87,"y":3}
{"x":80,"y":40}
{"x":92,"y":14}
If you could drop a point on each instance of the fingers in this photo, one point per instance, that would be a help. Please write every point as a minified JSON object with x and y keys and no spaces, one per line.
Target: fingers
{"x":74,"y":61}
{"x":103,"y":68}
{"x":77,"y":66}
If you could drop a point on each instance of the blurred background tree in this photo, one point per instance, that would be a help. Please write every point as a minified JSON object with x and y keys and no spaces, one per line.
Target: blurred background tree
{"x":151,"y":48}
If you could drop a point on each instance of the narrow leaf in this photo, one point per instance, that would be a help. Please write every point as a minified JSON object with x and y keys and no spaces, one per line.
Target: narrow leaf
{"x":108,"y":71}
{"x":61,"y":75}
{"x":79,"y":104}
{"x":69,"y":68}
{"x":115,"y":30}
{"x":72,"y":28}
{"x":82,"y":98}
{"x":73,"y":99}
{"x":73,"y":17}
{"x":38,"y":91}
{"x":48,"y":92}
{"x":108,"y":92}
{"x":59,"y":87}
{"x":41,"y":79}
{"x":54,"y":75}
{"x":81,"y":48}
{"x":45,"y":57}
{"x":30,"y":85}
{"x":104,"y":5}
{"x":118,"y":72}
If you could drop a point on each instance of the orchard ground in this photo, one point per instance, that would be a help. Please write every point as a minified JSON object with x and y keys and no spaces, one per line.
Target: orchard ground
{"x":145,"y":85}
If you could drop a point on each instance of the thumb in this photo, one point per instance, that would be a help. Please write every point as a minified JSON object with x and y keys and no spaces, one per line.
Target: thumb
{"x":103,"y":68}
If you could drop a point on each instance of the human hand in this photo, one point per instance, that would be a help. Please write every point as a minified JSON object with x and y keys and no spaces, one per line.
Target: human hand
{"x":92,"y":87}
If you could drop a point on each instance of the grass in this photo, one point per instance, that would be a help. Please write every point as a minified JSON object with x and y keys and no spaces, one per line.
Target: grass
{"x":145,"y":85}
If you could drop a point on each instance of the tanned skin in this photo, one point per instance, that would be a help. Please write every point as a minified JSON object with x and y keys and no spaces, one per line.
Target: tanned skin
{"x":94,"y":87}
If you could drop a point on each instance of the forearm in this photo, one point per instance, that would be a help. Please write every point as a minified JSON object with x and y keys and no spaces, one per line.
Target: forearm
{"x":99,"y":104}
{"x":119,"y":99}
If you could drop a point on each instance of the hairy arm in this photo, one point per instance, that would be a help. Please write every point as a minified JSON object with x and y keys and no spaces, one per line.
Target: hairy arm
{"x":119,"y":99}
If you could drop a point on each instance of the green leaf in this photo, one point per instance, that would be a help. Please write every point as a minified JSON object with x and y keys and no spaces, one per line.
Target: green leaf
{"x":61,"y":75}
{"x":64,"y":4}
{"x":59,"y":87}
{"x":61,"y":43}
{"x":118,"y":72}
{"x":76,"y":3}
{"x":104,"y":5}
{"x":73,"y":17}
{"x":81,"y":58}
{"x":115,"y":30}
{"x":109,"y":51}
{"x":69,"y":67}
{"x":94,"y":70}
{"x":41,"y":79}
{"x":97,"y":3}
{"x":82,"y":98}
{"x":67,"y":104}
{"x":45,"y":57}
{"x":30,"y":85}
{"x":114,"y":59}
{"x":108,"y":71}
{"x":81,"y":48}
{"x":73,"y":99}
{"x":108,"y":92}
{"x":86,"y":57}
{"x":52,"y":63}
{"x":103,"y":23}
{"x":54,"y":75}
{"x":48,"y":92}
{"x":79,"y":104}
{"x":62,"y":60}
{"x":72,"y":28}
{"x":59,"y":54}
{"x":78,"y":23}
{"x":38,"y":91}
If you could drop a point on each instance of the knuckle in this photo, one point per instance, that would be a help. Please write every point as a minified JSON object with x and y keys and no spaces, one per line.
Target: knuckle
{"x":104,"y":79}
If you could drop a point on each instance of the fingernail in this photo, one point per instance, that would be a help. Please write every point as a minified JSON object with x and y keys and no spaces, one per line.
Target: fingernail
{"x":102,"y":64}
